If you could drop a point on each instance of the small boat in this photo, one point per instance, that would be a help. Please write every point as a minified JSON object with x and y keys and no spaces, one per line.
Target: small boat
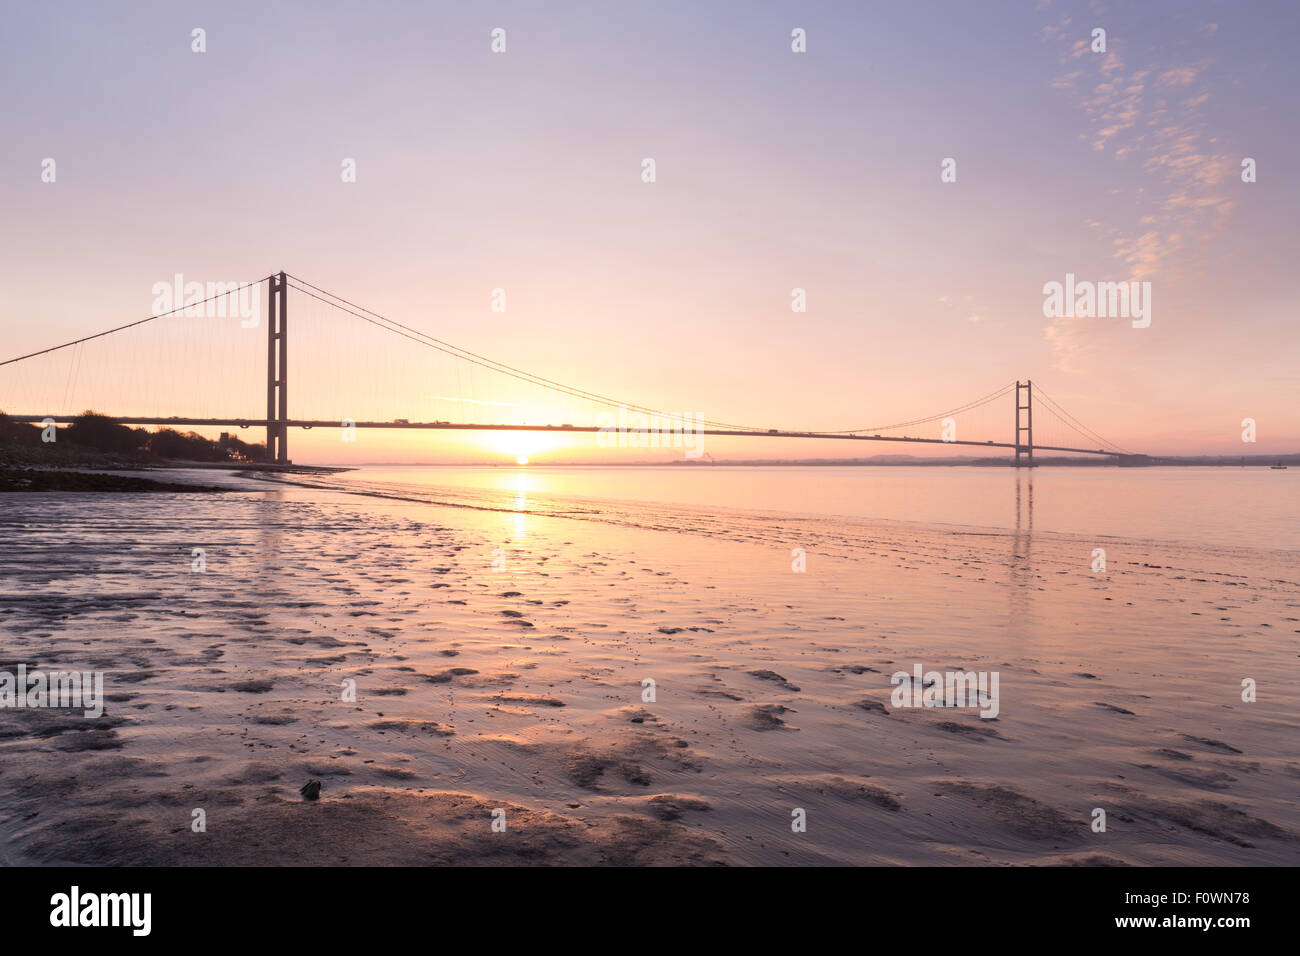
{"x":1278,"y":467}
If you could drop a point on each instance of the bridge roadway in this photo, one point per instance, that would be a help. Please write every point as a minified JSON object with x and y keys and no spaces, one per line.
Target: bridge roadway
{"x":732,"y":433}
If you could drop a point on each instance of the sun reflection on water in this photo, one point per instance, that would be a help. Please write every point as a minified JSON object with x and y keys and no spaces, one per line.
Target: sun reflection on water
{"x":521,"y":505}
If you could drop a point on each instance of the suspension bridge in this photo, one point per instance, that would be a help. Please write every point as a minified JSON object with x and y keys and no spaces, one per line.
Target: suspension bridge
{"x":277,"y":422}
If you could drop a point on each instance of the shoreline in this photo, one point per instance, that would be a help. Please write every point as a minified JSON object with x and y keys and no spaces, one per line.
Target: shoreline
{"x":117,"y":477}
{"x":36,"y":480}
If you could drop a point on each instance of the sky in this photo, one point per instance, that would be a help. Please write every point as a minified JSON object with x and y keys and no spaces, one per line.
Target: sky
{"x":523,"y":171}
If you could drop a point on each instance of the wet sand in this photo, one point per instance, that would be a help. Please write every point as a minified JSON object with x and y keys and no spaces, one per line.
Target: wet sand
{"x":519,"y":687}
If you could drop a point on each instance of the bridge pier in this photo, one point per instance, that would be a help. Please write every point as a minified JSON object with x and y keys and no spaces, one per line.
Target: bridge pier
{"x":277,"y":370}
{"x":1027,"y":429}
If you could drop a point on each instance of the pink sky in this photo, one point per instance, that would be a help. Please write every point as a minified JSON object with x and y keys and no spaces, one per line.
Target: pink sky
{"x":521,"y":171}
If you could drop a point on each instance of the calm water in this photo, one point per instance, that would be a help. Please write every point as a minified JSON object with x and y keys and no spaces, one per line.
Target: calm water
{"x":1235,"y":507}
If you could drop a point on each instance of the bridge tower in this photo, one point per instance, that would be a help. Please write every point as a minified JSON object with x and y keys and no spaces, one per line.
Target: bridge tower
{"x":277,"y":370}
{"x":1026,"y":429}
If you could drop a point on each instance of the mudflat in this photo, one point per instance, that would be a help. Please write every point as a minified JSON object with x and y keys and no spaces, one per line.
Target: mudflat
{"x":477,"y":683}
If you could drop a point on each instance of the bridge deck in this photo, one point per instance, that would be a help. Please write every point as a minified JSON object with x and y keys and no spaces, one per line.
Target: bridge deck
{"x":455,"y":426}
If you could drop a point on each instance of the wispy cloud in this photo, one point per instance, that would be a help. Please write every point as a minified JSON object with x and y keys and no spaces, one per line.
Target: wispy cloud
{"x":1149,"y":114}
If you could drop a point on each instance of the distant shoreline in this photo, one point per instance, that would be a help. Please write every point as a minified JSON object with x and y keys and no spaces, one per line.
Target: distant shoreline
{"x":1253,"y":461}
{"x":88,"y":461}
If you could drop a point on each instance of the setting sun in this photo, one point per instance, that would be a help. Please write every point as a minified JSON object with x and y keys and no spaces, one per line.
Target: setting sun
{"x":521,"y":446}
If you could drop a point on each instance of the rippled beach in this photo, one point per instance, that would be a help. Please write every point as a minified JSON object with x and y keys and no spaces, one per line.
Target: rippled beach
{"x":501,"y":641}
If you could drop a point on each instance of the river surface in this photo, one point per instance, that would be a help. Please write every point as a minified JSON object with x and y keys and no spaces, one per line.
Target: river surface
{"x":1235,"y":507}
